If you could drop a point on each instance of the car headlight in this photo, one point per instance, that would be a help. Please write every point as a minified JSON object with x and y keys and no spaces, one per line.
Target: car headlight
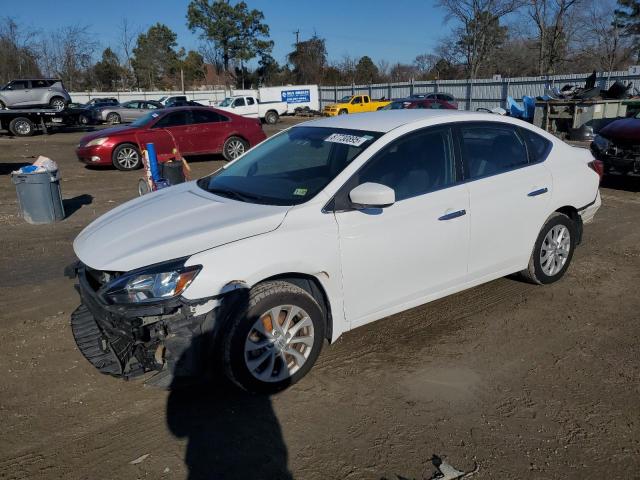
{"x":97,"y":141}
{"x":602,"y":143}
{"x":160,"y":282}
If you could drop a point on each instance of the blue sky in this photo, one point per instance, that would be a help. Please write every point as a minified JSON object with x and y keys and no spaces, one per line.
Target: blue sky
{"x":394,"y":31}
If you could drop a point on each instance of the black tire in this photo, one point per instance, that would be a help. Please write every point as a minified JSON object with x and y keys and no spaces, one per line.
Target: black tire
{"x":261,"y":299}
{"x":22,"y":127}
{"x":271,"y":117}
{"x":344,"y":111}
{"x":234,"y":147}
{"x":83,"y":120}
{"x":123,"y":159}
{"x":114,"y":118}
{"x":58,"y":103}
{"x":534,"y":272}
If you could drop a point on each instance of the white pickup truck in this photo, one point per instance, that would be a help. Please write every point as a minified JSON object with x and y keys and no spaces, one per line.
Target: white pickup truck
{"x":248,"y":106}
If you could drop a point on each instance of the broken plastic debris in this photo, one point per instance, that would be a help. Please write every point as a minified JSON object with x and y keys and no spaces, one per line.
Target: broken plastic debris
{"x":140,"y":459}
{"x":447,"y":472}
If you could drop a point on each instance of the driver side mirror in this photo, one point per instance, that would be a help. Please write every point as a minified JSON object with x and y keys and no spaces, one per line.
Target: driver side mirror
{"x":372,"y":195}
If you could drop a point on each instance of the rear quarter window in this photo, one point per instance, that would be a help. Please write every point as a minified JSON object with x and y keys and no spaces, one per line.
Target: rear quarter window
{"x":538,"y":146}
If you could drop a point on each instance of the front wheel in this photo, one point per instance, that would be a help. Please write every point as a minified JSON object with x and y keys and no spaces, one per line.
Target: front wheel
{"x":126,"y":157}
{"x":234,"y":147}
{"x":344,"y":111}
{"x":274,"y":339}
{"x":553,"y":250}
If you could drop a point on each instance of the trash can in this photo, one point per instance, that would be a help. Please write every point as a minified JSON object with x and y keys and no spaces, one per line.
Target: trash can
{"x":39,"y":196}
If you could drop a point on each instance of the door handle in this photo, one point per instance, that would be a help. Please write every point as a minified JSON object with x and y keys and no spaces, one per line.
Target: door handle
{"x":452,"y":215}
{"x":540,"y":191}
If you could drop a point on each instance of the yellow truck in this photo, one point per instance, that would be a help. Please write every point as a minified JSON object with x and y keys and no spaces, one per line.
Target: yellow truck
{"x":354,"y":104}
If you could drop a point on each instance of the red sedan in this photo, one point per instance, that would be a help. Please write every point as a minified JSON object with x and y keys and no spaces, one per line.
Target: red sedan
{"x":428,"y":103}
{"x":192,"y":130}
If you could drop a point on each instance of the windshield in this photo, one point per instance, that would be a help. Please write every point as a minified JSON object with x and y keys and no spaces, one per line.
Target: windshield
{"x":346,"y":99}
{"x":291,"y":167}
{"x":145,"y":119}
{"x":226,"y":102}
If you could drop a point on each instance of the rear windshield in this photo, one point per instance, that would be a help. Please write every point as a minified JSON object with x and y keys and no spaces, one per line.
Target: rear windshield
{"x":289,"y":168}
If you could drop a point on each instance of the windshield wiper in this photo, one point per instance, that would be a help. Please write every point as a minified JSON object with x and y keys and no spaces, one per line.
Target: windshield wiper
{"x":225,"y":192}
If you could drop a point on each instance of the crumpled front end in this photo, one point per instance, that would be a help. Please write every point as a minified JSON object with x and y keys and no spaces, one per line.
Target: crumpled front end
{"x":169,"y":337}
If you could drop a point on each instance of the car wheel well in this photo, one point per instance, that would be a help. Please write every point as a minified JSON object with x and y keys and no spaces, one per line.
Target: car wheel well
{"x":313,"y":287}
{"x":573,"y":214}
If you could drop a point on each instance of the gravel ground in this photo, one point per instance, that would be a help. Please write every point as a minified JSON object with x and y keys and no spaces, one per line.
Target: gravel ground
{"x":524,"y":381}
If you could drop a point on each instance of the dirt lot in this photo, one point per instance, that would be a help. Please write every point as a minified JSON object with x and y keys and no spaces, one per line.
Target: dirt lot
{"x":528,"y":382}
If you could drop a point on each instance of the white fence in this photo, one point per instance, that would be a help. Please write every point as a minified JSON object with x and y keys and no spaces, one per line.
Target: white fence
{"x":471,"y":94}
{"x":206,"y":97}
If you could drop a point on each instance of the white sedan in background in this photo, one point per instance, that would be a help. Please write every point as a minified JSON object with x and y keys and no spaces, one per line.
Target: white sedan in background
{"x":327,"y":226}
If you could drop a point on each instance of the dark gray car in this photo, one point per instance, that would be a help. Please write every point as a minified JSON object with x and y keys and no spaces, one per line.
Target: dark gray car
{"x":42,"y":92}
{"x":128,"y":111}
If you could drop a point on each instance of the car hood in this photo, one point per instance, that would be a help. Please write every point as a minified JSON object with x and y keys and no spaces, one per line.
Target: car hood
{"x":106,"y":132}
{"x":625,"y":130}
{"x":171,"y":223}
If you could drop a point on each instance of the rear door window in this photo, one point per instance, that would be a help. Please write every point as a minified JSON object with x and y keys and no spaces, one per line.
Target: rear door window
{"x":39,"y":84}
{"x":207,"y":116}
{"x":250,"y":101}
{"x":174,"y":119}
{"x":490,"y":148}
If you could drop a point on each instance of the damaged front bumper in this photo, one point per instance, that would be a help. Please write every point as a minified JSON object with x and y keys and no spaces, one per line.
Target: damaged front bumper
{"x":171,"y":337}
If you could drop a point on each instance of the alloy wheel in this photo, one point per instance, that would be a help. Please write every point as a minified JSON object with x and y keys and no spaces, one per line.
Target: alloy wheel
{"x":57,"y":104}
{"x":128,"y":157}
{"x":555,"y":249}
{"x":235,"y":148}
{"x":279,"y":343}
{"x":22,"y":127}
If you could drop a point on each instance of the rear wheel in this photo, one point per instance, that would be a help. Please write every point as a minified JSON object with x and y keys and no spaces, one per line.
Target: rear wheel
{"x":113,"y":118}
{"x":57,"y":103}
{"x":126,"y":157}
{"x":22,"y":127}
{"x":234,"y":147}
{"x":271,"y":117}
{"x":273,"y":340}
{"x":553,"y":250}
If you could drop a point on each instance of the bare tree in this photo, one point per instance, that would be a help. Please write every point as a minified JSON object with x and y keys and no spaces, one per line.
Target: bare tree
{"x":127,"y":37}
{"x":18,"y":57}
{"x":613,"y":49}
{"x":478,"y":27}
{"x":551,"y":19}
{"x":68,"y":54}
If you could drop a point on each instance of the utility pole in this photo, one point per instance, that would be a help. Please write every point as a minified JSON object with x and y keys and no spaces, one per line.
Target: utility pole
{"x":297,"y":34}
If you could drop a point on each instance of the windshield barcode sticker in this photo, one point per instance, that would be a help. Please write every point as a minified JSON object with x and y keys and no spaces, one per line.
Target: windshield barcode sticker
{"x":352,"y":140}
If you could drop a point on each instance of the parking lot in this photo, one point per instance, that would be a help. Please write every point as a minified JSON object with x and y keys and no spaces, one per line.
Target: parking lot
{"x":520,"y":380}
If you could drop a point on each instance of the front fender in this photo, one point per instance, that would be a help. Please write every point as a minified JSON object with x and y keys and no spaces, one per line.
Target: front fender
{"x":306,"y":243}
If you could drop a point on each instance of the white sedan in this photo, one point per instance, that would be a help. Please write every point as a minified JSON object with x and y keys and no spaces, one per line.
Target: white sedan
{"x":327,"y":226}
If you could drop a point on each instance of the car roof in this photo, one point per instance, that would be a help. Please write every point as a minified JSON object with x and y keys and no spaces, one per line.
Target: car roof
{"x":386,"y":120}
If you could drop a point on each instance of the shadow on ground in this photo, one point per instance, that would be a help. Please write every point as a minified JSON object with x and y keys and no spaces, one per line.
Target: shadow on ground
{"x":230,"y":434}
{"x":72,"y":205}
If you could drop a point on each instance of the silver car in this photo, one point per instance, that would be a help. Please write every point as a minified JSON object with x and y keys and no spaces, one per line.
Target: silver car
{"x":45,"y":92}
{"x":127,"y":112}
